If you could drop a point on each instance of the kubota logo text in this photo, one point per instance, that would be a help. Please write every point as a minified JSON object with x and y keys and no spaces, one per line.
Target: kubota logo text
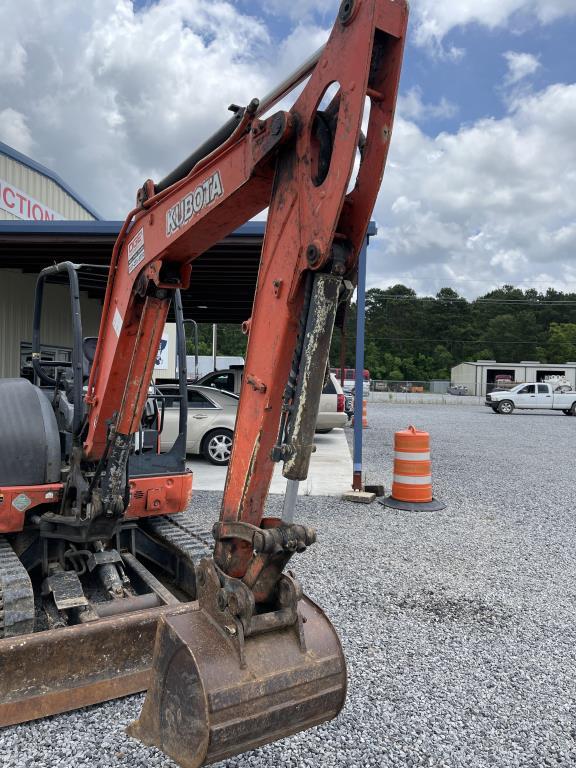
{"x":203,"y":196}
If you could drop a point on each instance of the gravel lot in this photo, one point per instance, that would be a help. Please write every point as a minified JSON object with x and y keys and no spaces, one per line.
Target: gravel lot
{"x":458,"y":626}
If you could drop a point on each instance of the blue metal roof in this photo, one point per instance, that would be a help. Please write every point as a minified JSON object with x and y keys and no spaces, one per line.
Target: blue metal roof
{"x":102,"y":227}
{"x":25,"y":160}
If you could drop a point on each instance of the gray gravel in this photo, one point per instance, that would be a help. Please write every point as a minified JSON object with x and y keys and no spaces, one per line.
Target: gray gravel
{"x":458,"y":626}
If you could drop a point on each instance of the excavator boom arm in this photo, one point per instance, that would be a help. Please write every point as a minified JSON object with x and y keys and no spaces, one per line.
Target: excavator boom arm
{"x":298,"y":163}
{"x":253,"y":659}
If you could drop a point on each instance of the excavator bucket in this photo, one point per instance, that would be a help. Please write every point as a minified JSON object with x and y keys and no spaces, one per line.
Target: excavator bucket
{"x":46,"y":673}
{"x":213,"y":696}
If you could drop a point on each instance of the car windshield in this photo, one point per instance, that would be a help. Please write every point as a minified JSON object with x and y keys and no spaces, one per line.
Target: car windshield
{"x":329,"y":388}
{"x":228,"y":398}
{"x":224,"y":381}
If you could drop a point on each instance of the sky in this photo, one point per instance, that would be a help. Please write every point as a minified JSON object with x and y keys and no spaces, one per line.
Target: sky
{"x":479,"y":190}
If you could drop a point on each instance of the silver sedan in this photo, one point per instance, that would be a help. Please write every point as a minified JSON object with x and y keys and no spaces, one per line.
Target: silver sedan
{"x":211,"y":420}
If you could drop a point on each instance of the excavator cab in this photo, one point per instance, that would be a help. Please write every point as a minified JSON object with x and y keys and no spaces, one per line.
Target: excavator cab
{"x":64,"y":382}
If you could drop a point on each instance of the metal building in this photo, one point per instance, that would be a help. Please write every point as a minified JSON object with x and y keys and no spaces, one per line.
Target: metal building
{"x":483,"y":376}
{"x":31,"y":192}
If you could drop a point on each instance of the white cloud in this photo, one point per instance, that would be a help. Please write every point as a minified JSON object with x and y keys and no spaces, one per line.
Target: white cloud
{"x":434,"y":19}
{"x":130,"y":94}
{"x":492,"y":203}
{"x":14,"y":130}
{"x":440,"y":15}
{"x":520,"y":66}
{"x":412,"y":107}
{"x":112,"y":96}
{"x":13,"y":58}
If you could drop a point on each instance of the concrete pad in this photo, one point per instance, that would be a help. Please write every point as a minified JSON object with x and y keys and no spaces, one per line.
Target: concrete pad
{"x":359,"y":497}
{"x":330,"y":470}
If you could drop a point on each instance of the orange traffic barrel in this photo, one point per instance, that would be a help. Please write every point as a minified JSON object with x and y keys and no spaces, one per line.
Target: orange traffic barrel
{"x":364,"y":415}
{"x":412,"y":481}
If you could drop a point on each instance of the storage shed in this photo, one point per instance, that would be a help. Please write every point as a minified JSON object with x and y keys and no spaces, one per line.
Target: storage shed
{"x":483,"y":376}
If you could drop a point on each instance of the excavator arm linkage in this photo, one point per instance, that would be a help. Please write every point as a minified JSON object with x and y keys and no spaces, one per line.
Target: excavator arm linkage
{"x":253,"y":660}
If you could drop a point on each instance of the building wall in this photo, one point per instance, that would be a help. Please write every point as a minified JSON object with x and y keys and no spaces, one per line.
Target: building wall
{"x":465,"y":374}
{"x":475,"y":376}
{"x":16,"y":313}
{"x":40,"y":188}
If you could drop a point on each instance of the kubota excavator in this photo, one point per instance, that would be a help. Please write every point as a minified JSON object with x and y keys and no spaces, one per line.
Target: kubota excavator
{"x":251,"y":659}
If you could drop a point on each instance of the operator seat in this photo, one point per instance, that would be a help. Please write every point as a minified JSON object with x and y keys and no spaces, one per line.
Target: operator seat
{"x":88,"y":352}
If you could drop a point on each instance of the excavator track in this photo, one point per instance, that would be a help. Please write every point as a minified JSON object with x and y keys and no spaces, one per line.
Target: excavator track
{"x":16,"y":594}
{"x":182,"y":534}
{"x":178,"y":546}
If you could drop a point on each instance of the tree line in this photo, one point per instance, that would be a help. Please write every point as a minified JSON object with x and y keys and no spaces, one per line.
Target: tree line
{"x":409,"y":337}
{"x":421,"y":338}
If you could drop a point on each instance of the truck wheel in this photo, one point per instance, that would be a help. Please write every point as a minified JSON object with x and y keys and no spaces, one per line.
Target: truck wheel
{"x":505,"y":407}
{"x":573,"y":410}
{"x":217,"y":446}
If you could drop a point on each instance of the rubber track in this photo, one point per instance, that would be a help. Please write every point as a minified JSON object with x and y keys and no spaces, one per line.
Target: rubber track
{"x":16,"y":594}
{"x":183,"y":533}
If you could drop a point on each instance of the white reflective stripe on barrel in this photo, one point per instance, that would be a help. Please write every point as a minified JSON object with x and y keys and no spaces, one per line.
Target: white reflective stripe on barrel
{"x":405,"y":456}
{"x":413,"y":479}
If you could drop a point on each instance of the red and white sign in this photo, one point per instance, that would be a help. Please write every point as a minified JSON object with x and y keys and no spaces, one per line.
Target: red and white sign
{"x":21,"y":205}
{"x":136,"y":250}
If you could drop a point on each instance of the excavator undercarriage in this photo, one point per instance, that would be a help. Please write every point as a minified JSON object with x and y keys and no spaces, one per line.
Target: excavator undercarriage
{"x":68,"y":643}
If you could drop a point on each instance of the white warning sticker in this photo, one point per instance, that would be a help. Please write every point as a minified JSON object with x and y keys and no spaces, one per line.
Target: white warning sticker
{"x":136,"y":250}
{"x":117,"y":322}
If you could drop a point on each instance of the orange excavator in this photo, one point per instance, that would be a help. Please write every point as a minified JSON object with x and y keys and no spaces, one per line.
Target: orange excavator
{"x":251,"y":659}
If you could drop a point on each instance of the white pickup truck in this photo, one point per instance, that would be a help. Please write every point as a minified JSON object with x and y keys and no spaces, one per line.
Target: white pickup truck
{"x":541,"y":396}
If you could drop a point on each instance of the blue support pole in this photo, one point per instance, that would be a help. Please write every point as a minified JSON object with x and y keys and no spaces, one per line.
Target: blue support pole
{"x":359,"y":365}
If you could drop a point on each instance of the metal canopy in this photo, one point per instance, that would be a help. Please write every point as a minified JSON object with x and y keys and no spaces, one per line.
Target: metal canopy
{"x":223,"y":278}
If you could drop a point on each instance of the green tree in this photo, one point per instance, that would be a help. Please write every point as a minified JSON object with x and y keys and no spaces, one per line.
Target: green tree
{"x":561,"y":343}
{"x":415,"y":338}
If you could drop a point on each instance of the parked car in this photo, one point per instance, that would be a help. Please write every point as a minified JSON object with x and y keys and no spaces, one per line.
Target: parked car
{"x":332,"y":413}
{"x":532,"y":396}
{"x":228,"y":380}
{"x":350,"y":380}
{"x":211,"y":420}
{"x":503,"y":381}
